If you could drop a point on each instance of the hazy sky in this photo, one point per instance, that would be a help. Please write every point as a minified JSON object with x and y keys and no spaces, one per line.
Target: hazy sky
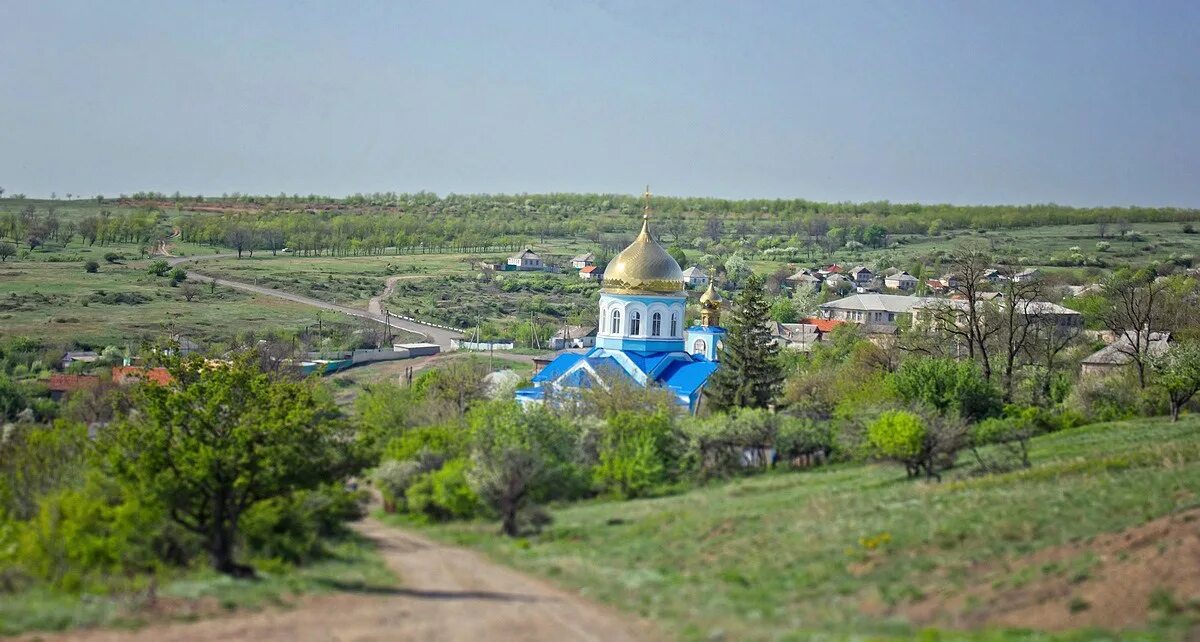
{"x":1080,"y":103}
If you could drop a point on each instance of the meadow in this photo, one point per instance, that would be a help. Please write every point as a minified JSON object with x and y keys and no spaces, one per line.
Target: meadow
{"x":858,"y":552}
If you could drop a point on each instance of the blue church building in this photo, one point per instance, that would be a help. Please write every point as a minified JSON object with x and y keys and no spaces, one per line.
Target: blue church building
{"x":641,"y":337}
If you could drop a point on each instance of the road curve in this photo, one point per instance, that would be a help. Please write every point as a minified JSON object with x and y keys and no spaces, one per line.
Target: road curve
{"x":431,"y":333}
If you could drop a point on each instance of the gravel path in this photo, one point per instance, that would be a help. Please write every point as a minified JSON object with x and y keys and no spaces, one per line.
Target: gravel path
{"x":446,"y":594}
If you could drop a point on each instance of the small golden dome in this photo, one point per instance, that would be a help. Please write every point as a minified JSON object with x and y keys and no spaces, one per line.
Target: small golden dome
{"x":643,"y":268}
{"x":710,"y":296}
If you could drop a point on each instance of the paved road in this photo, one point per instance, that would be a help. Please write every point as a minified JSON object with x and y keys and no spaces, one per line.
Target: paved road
{"x":432,"y":334}
{"x":446,"y":593}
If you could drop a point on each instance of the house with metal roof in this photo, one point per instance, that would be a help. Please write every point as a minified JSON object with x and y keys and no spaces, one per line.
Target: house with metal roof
{"x":900,"y":281}
{"x":874,"y":309}
{"x":695,"y":277}
{"x":526,"y":259}
{"x":1119,"y":353}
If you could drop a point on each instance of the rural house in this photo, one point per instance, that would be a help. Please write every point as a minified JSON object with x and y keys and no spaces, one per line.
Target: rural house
{"x":591,"y":273}
{"x":583,"y":260}
{"x":695,"y":277}
{"x":862,"y":276}
{"x":573,"y":336}
{"x":1118,"y":354}
{"x":900,"y":281}
{"x":874,"y":309}
{"x":527,"y":259}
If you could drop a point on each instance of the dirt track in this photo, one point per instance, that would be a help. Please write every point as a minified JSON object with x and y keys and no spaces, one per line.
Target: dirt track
{"x":446,"y":593}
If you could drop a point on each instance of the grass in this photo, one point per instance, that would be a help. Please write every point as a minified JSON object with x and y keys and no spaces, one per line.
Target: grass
{"x":353,"y":566}
{"x":123,"y":303}
{"x":797,"y":555}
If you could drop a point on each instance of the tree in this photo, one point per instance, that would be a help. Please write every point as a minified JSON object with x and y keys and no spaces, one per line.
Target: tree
{"x":1134,"y":311}
{"x":221,"y":438}
{"x":1177,"y":371}
{"x":6,"y":250}
{"x":189,"y":291}
{"x":91,"y":267}
{"x":966,"y":317}
{"x":783,"y":310}
{"x":679,"y":255}
{"x":930,"y":444}
{"x":178,"y":275}
{"x":806,"y":299}
{"x":749,"y":374}
{"x":1015,"y":318}
{"x":239,"y":238}
{"x":518,"y":457}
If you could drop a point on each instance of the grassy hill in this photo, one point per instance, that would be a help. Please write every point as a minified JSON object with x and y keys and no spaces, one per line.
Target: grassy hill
{"x":1100,"y":535}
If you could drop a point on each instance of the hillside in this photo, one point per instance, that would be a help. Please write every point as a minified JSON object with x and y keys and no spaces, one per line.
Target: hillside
{"x":1100,"y":534}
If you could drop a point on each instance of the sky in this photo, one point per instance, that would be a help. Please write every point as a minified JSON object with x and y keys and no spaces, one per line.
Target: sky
{"x":1074,"y":102}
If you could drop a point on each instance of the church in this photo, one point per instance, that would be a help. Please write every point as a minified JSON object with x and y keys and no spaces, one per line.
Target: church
{"x":641,"y":336}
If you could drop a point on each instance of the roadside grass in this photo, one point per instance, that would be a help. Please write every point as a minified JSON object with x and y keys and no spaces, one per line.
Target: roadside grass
{"x":121,"y":303}
{"x":353,"y":565}
{"x":801,"y":555}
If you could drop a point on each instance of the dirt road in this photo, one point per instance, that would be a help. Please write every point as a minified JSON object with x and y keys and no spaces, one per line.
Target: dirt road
{"x":446,"y":593}
{"x":433,"y":334}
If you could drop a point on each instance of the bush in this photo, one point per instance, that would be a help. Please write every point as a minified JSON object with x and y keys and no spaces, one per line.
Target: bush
{"x":1114,"y":397}
{"x":178,"y":275}
{"x":159,"y":268}
{"x":444,"y":494}
{"x":930,"y":443}
{"x":948,"y":386}
{"x":637,"y":453}
{"x":446,"y":441}
{"x":803,"y":440}
{"x":393,"y":479}
{"x":91,"y":267}
{"x":723,"y":444}
{"x":113,"y":257}
{"x":292,"y":528}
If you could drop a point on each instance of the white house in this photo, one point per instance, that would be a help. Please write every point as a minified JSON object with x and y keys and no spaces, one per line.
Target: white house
{"x":591,"y":273}
{"x":583,"y":260}
{"x":804,"y":278}
{"x":695,"y":277}
{"x":1024,"y":276}
{"x":900,"y":281}
{"x":873,"y":309}
{"x":526,"y":260}
{"x":862,"y":275}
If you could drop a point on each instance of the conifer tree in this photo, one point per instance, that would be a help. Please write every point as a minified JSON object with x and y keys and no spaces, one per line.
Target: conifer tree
{"x":750,"y":374}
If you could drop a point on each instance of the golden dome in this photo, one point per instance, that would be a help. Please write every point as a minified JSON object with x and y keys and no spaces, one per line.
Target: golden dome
{"x":643,"y":268}
{"x":710,"y":296}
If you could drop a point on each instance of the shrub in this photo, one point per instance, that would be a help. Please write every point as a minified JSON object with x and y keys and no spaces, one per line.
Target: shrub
{"x":444,"y":494}
{"x":393,"y":479}
{"x":91,"y":267}
{"x":948,"y":386}
{"x":113,"y":257}
{"x":178,"y":275}
{"x":930,"y":443}
{"x":446,"y":441}
{"x":637,"y":453}
{"x":1113,"y":397}
{"x":723,"y":444}
{"x":159,"y":268}
{"x":292,"y":528}
{"x":800,"y":438}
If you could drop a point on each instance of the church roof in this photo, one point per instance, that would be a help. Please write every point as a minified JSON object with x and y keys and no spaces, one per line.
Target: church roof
{"x":686,"y":377}
{"x":643,"y":268}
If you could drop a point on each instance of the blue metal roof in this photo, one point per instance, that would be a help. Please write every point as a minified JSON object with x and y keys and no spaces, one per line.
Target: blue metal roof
{"x":686,"y":378}
{"x":531,"y":393}
{"x":554,"y":369}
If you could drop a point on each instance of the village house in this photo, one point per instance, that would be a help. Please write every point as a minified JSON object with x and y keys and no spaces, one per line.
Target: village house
{"x":832,"y":268}
{"x":129,"y":375}
{"x":874,"y":309}
{"x":804,"y":278}
{"x":83,"y":356}
{"x":573,"y":336}
{"x":862,"y":276}
{"x":1025,"y":276}
{"x":802,"y":335}
{"x":525,"y":260}
{"x":591,"y":273}
{"x":583,"y":260}
{"x":1119,"y":353}
{"x":838,"y":283}
{"x":695,"y":277}
{"x":900,"y":281}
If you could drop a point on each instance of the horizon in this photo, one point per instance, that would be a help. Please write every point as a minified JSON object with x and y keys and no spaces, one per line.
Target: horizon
{"x":1072,"y":103}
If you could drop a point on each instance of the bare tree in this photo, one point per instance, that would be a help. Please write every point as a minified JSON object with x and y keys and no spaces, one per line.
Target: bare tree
{"x":1015,"y":316}
{"x":1134,"y":312}
{"x":966,"y":316}
{"x":239,"y":238}
{"x":189,"y":291}
{"x":6,"y":250}
{"x":1047,"y":339}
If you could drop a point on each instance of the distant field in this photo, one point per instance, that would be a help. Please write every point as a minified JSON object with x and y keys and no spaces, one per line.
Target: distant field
{"x":860,"y":551}
{"x":122,"y":303}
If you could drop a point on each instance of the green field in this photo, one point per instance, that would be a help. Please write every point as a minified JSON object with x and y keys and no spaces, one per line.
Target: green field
{"x":123,"y":303}
{"x":859,"y":552}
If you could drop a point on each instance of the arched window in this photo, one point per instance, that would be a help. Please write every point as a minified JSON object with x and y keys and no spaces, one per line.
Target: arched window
{"x":674,"y":325}
{"x":635,"y":323}
{"x":616,"y":322}
{"x":655,"y":324}
{"x":699,"y":346}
